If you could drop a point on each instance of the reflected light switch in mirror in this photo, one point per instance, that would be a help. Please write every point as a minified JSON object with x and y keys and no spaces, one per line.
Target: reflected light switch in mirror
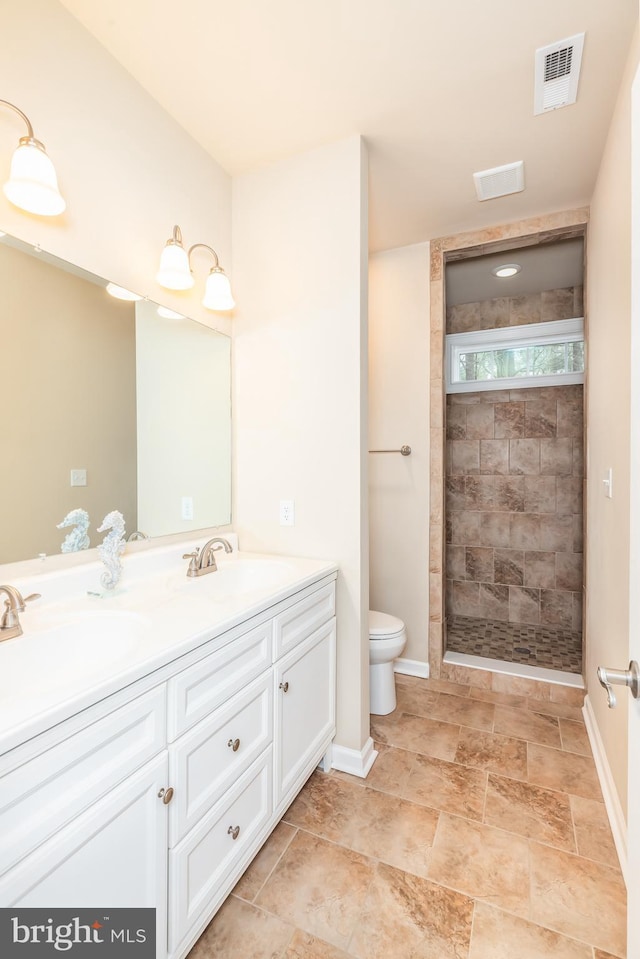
{"x":78,"y":477}
{"x":187,"y":507}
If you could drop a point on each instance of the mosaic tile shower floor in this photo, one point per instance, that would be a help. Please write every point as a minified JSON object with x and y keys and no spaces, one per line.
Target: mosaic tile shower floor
{"x":551,"y":647}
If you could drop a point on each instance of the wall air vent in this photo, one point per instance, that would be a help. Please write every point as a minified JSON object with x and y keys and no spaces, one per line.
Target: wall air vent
{"x":499,"y":181}
{"x":557,"y":74}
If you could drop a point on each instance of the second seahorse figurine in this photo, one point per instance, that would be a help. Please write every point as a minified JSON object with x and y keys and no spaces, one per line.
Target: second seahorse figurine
{"x":111,"y":548}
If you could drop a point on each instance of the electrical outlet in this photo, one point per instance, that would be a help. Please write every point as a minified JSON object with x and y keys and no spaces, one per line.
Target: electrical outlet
{"x":187,"y":507}
{"x":287,"y":512}
{"x":78,"y":477}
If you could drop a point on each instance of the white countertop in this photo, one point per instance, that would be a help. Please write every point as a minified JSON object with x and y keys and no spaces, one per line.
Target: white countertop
{"x":78,"y":648}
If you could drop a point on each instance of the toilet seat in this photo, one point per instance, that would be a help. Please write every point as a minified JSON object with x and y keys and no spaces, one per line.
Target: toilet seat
{"x":383,"y":625}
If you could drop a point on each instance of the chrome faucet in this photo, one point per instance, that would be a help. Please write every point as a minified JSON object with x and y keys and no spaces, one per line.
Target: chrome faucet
{"x":203,"y":560}
{"x":9,"y":622}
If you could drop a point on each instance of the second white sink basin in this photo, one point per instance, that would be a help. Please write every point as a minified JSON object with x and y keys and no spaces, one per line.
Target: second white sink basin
{"x":235,"y":577}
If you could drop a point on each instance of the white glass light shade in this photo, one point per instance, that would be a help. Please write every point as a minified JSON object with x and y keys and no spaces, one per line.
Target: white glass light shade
{"x":32,"y":183}
{"x":174,"y":272}
{"x":168,"y":314}
{"x":121,"y":294}
{"x":217,"y":294}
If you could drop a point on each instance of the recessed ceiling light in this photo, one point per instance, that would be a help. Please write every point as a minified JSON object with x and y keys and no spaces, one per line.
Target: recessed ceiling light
{"x":121,"y":294}
{"x":507,"y":269}
{"x":169,"y":314}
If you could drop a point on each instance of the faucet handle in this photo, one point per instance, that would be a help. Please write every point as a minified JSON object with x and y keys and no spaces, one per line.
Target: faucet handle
{"x":32,"y":596}
{"x":193,"y":565}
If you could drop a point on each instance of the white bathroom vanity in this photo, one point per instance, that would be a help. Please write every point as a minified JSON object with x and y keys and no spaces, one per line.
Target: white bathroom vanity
{"x":150,"y":740}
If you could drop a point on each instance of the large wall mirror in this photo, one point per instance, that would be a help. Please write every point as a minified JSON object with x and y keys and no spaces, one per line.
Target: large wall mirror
{"x":95,"y":387}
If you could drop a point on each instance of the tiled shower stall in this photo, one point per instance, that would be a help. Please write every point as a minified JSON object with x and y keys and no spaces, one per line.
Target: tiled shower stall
{"x":514,"y":506}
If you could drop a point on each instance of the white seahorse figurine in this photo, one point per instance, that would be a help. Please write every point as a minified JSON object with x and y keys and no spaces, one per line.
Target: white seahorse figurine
{"x":78,"y":538}
{"x":111,"y":548}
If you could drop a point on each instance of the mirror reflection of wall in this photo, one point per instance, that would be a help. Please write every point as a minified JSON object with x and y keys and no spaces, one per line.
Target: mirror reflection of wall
{"x":68,"y":397}
{"x":184,"y":428}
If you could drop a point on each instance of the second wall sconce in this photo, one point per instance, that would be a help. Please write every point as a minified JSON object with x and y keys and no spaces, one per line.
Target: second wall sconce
{"x":175,"y":273}
{"x":32,"y":183}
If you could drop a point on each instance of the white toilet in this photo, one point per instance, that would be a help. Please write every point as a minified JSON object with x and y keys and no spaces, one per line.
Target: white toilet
{"x":387,"y":639}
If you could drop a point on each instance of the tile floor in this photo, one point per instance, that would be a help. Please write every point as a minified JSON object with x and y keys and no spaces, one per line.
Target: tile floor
{"x":480,"y":833}
{"x":552,"y":647}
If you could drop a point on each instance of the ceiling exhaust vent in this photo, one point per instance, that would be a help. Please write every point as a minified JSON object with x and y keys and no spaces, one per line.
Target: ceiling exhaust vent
{"x":499,"y":181}
{"x":557,"y":74}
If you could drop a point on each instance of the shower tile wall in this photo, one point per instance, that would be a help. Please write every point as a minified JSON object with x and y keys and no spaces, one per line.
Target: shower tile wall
{"x":515,"y":310}
{"x":514,"y":477}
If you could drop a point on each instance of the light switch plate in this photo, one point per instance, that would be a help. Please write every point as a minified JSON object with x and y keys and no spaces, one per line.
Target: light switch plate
{"x":78,"y":477}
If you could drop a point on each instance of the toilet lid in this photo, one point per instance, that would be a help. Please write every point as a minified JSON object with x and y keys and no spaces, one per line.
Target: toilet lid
{"x":382,"y":624}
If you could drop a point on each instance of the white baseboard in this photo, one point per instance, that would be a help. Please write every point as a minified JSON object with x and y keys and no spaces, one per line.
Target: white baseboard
{"x":358,"y":762}
{"x":609,"y":791}
{"x":411,"y":667}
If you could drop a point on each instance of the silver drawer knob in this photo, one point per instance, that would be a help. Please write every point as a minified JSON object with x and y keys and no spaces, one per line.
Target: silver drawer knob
{"x":233,"y":831}
{"x":234,"y":744}
{"x":284,"y":687}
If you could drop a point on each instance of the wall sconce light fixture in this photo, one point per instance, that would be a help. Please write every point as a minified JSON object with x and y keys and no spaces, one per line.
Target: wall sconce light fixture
{"x":175,"y":273}
{"x":32,"y":183}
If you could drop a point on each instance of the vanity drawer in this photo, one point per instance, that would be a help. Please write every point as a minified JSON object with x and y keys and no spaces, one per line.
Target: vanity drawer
{"x":199,"y":864}
{"x":299,"y":621}
{"x":201,"y":688}
{"x":212,"y":755}
{"x":40,"y":796}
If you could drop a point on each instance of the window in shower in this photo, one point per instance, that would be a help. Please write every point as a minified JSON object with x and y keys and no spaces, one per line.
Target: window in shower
{"x":538,"y":354}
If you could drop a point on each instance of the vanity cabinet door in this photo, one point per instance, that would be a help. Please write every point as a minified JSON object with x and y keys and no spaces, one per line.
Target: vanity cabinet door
{"x":305,"y":682}
{"x":113,"y":855}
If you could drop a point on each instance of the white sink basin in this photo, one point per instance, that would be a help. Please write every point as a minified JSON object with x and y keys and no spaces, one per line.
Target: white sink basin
{"x":235,"y":577}
{"x":86,"y":643}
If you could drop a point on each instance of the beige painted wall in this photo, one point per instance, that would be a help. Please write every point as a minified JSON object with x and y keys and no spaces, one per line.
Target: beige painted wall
{"x":300,"y":390}
{"x":128,"y":171}
{"x":398,"y":414}
{"x":608,"y":310}
{"x":64,"y":343}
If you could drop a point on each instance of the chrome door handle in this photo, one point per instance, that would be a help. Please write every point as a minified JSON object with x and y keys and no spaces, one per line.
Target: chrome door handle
{"x":620,"y":677}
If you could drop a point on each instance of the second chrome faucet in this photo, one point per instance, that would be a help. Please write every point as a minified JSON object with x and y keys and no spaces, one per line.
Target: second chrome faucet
{"x":203,"y":560}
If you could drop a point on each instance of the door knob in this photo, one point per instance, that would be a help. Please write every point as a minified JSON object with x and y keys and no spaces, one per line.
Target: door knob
{"x":620,"y":677}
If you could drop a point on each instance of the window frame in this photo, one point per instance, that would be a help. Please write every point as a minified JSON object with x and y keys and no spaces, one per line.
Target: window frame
{"x":511,"y":337}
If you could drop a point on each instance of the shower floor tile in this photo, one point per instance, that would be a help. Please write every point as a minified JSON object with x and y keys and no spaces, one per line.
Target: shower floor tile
{"x":548,"y":646}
